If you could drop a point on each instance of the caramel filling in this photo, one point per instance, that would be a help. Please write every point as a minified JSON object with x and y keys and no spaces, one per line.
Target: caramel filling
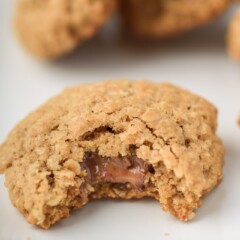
{"x":129,"y":169}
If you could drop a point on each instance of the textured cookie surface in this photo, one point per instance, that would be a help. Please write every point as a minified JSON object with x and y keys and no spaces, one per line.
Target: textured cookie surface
{"x":119,"y":139}
{"x":52,"y":28}
{"x":165,"y":18}
{"x":233,"y":37}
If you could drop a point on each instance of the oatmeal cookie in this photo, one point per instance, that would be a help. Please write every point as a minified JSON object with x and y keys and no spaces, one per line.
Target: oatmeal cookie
{"x":52,"y":28}
{"x":118,"y":139}
{"x":233,"y":38}
{"x":167,"y":18}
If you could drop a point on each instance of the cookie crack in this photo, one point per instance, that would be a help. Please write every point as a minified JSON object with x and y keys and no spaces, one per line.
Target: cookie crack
{"x":91,"y":135}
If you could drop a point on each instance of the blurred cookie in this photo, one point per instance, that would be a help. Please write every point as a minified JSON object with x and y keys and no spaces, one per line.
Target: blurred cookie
{"x":118,"y":139}
{"x":233,"y":38}
{"x":52,"y":28}
{"x":167,"y":18}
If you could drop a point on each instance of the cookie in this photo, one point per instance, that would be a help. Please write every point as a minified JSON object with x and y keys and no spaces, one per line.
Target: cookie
{"x":167,"y":18}
{"x":118,"y":139}
{"x":233,"y":37}
{"x":52,"y":28}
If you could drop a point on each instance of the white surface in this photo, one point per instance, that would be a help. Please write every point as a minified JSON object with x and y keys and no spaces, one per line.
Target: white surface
{"x":197,"y":61}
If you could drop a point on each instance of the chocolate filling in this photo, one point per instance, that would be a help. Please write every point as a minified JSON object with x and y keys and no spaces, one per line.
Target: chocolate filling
{"x":122,"y":170}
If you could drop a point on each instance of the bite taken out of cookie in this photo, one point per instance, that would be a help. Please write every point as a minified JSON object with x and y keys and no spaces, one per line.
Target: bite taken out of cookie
{"x":52,"y":28}
{"x":117,"y":139}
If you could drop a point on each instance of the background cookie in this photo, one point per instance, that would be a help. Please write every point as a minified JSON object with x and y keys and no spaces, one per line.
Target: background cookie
{"x":52,"y":28}
{"x":233,"y":38}
{"x":165,"y":18}
{"x":118,"y":139}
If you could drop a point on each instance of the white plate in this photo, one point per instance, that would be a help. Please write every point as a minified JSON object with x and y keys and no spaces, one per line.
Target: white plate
{"x":197,"y":61}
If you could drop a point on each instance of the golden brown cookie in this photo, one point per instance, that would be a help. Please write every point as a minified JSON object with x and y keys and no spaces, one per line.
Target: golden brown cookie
{"x":52,"y":28}
{"x":118,"y":139}
{"x":233,"y":38}
{"x":167,"y":18}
